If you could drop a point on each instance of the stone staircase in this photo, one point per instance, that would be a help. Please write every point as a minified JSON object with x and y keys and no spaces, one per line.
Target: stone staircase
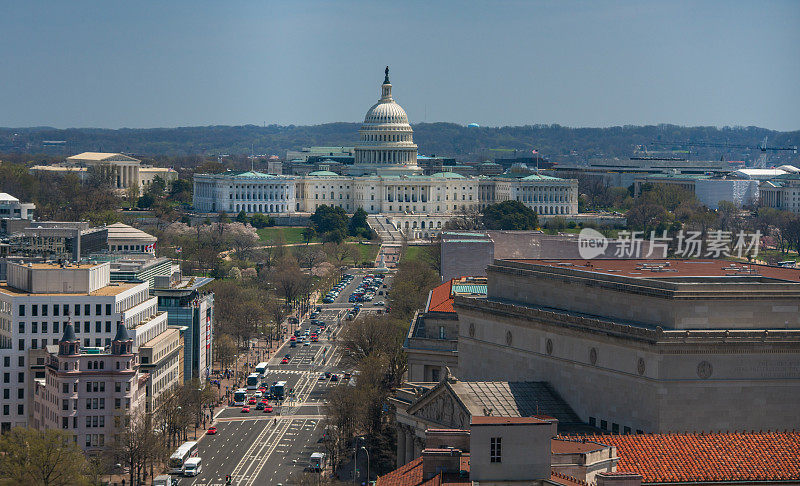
{"x":386,"y":231}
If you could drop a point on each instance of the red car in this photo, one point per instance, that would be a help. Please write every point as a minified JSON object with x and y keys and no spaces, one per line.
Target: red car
{"x":211,"y":431}
{"x":265,"y":401}
{"x":251,"y":401}
{"x":284,"y":360}
{"x":263,"y":389}
{"x":245,"y":409}
{"x":267,"y":409}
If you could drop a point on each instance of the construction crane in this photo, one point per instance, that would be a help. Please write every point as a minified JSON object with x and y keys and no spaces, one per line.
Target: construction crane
{"x":761,"y":163}
{"x":762,"y":159}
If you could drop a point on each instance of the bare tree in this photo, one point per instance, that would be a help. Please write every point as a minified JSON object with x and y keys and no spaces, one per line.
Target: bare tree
{"x":136,"y":444}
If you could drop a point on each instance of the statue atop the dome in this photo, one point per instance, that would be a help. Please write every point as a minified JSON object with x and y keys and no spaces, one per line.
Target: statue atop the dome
{"x":386,"y":78}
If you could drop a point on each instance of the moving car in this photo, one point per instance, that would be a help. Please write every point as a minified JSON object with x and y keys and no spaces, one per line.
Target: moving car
{"x":334,"y":378}
{"x":251,"y":401}
{"x":321,"y":377}
{"x":211,"y":431}
{"x":284,"y":360}
{"x":245,"y":409}
{"x":380,"y":302}
{"x":306,"y":343}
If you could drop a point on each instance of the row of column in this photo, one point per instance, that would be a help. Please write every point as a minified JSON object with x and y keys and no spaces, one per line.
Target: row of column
{"x":409,"y":446}
{"x":126,"y":176}
{"x":385,"y":156}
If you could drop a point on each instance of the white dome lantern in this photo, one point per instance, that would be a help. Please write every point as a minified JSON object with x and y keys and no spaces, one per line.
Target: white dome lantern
{"x":386,"y":142}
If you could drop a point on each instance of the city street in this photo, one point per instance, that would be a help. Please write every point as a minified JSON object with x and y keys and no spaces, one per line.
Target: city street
{"x":268,"y":448}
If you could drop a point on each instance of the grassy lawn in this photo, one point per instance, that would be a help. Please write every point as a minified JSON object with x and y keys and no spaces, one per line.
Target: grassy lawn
{"x":368,"y":252}
{"x":767,"y":254}
{"x":291,"y":234}
{"x":412,"y":252}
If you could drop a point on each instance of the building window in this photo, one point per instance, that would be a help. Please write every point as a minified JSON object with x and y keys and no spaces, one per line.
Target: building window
{"x":604,"y":425}
{"x":495,"y":449}
{"x":21,"y":310}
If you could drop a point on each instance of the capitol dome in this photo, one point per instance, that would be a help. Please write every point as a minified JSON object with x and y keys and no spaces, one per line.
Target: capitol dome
{"x":386,"y":141}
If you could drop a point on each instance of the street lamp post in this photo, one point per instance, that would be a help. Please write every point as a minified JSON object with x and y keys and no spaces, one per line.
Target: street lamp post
{"x":367,"y":452}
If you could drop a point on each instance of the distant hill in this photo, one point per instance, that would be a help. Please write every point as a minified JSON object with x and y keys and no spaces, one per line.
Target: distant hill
{"x":447,"y":139}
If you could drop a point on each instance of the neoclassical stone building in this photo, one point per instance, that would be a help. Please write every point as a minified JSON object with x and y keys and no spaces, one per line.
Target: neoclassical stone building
{"x":643,"y":346}
{"x":384,"y":180}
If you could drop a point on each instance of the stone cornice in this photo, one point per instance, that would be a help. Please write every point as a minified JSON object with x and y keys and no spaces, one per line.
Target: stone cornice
{"x":651,"y":287}
{"x":671,"y":341}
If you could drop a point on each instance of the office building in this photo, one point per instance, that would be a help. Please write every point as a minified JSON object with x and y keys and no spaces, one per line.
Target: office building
{"x":39,"y":299}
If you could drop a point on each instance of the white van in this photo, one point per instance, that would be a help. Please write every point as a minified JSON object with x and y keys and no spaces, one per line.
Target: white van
{"x":163,"y":480}
{"x":193,"y":466}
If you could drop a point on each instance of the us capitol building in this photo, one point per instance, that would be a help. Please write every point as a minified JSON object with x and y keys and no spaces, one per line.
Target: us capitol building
{"x":384,"y":179}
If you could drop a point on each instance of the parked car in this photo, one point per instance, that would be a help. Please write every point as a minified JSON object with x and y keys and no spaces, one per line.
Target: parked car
{"x":211,"y":431}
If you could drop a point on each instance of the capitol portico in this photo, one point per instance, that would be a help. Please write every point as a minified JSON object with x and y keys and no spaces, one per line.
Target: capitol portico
{"x":384,"y":179}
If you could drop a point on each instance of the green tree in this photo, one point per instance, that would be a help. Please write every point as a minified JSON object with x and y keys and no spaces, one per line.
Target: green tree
{"x":259,"y":220}
{"x":46,"y":458}
{"x":509,"y":215}
{"x":358,"y":224}
{"x":181,"y":191}
{"x":145,"y":202}
{"x":327,"y":219}
{"x":242,"y":217}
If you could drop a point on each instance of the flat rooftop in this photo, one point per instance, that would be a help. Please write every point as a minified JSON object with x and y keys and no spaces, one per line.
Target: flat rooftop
{"x":675,"y":270}
{"x":107,"y":291}
{"x":56,"y":266}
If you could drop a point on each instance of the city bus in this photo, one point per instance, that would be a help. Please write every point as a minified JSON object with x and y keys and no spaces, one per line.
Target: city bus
{"x":179,"y":457}
{"x":277,"y":390}
{"x":261,"y":368}
{"x":239,"y":397}
{"x":252,"y":381}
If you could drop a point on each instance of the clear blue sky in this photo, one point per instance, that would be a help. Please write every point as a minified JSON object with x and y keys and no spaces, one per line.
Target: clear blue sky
{"x":594,"y":63}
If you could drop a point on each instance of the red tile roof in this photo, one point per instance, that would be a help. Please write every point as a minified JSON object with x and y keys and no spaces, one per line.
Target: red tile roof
{"x":441,"y":298}
{"x":667,"y":458}
{"x":411,"y":475}
{"x":565,"y":479}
